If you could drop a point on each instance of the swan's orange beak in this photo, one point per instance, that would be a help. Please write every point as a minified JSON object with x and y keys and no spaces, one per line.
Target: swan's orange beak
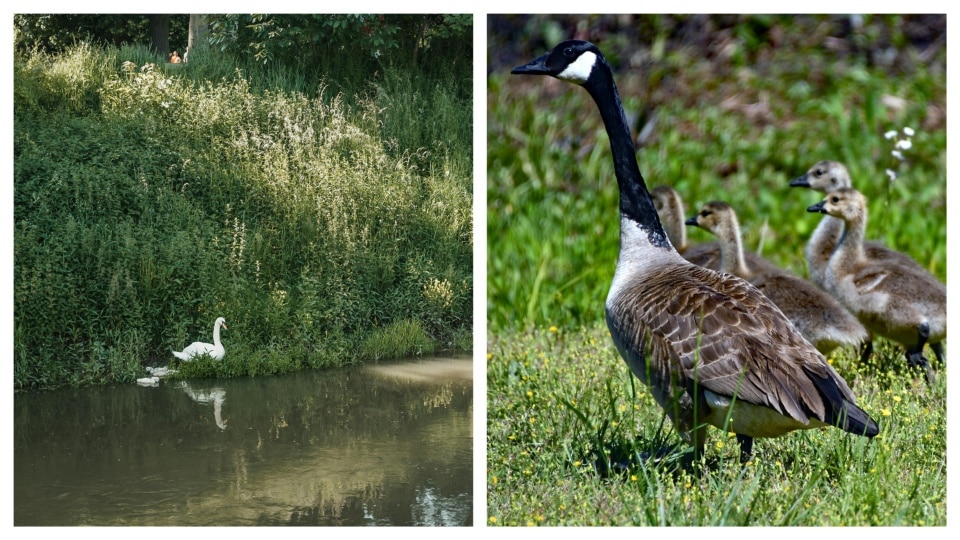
{"x":224,"y":324}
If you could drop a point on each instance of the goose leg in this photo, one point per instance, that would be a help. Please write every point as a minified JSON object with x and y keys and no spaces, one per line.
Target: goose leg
{"x":866,"y":350}
{"x":915,"y":358}
{"x":938,"y":350}
{"x":746,"y":447}
{"x":698,"y":437}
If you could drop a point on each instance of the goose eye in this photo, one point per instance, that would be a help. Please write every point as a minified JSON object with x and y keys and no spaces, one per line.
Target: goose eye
{"x":818,"y":172}
{"x":568,"y":51}
{"x":834,"y":199}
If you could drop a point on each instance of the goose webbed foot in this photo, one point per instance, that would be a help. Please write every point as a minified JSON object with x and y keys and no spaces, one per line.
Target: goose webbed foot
{"x":915,"y":358}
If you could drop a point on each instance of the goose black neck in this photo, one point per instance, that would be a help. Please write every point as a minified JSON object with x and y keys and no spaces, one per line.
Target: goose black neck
{"x":635,"y":200}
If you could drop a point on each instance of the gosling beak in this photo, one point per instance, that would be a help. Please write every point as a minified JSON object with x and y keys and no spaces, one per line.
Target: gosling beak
{"x":817,"y":207}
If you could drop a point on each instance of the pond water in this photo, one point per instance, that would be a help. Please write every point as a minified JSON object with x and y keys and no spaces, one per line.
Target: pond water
{"x":388,"y":444}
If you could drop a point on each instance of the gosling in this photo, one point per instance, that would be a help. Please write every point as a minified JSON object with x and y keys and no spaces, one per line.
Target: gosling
{"x":901,"y":302}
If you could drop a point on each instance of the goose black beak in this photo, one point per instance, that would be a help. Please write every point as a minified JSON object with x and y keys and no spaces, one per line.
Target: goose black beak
{"x":800,"y":182}
{"x":691,"y":221}
{"x":535,"y":67}
{"x":816,"y":207}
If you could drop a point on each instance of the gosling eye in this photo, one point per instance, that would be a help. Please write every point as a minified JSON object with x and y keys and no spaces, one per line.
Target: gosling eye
{"x":834,"y":199}
{"x":818,"y":172}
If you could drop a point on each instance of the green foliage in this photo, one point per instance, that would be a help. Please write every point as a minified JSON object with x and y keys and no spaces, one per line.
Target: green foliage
{"x":156,"y":201}
{"x":56,"y":33}
{"x":403,"y":41}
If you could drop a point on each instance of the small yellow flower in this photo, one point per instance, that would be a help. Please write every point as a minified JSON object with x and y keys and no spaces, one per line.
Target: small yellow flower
{"x":553,"y":328}
{"x":493,"y":519}
{"x":529,"y":393}
{"x":896,"y":398}
{"x":633,"y":477}
{"x":885,"y":412}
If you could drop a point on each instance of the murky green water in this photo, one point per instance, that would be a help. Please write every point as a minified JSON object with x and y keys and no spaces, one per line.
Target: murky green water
{"x":384,"y":445}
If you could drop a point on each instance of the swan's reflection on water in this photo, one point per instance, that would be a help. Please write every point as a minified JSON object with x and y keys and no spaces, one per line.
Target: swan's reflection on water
{"x":215,"y":395}
{"x":381,"y":445}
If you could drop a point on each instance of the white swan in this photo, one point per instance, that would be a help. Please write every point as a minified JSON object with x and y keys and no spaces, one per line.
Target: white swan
{"x":149,"y":381}
{"x":199,"y":348}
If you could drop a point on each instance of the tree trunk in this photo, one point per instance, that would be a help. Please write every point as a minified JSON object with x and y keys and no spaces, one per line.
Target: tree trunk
{"x":197,"y":35}
{"x":160,"y":35}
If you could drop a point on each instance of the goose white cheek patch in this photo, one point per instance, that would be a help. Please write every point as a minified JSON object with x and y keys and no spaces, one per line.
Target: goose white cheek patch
{"x":579,"y":71}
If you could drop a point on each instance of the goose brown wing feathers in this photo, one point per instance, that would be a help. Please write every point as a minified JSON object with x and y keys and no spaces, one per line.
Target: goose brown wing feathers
{"x":690,"y":314}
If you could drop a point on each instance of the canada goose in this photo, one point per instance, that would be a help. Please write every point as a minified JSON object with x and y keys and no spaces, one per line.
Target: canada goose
{"x":818,"y":316}
{"x":826,"y":177}
{"x":710,"y":346}
{"x":199,"y":348}
{"x":669,"y":207}
{"x":901,"y":302}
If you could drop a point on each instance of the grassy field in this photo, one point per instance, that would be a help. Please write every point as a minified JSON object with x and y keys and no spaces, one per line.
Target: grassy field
{"x":563,"y":412}
{"x":738,"y":114}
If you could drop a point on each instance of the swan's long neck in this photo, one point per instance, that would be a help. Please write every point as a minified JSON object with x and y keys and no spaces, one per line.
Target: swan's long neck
{"x":636,"y":205}
{"x":216,"y":334}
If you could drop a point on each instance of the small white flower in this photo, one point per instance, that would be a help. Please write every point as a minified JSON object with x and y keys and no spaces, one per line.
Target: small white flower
{"x":908,"y":132}
{"x":897,"y":154}
{"x":890,"y":134}
{"x":892,"y":175}
{"x":904,"y":144}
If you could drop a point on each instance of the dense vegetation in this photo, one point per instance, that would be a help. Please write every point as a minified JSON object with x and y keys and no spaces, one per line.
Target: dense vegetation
{"x":737,"y":106}
{"x":327,"y":221}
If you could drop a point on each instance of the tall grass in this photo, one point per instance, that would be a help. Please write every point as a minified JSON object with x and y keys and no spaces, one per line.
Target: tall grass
{"x":148,"y":202}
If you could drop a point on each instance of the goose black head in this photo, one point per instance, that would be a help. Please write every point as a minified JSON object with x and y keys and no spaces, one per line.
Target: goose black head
{"x":571,"y":61}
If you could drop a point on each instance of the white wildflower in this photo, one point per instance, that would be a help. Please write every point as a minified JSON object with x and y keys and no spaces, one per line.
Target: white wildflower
{"x":892,"y":175}
{"x":908,"y":131}
{"x":897,"y":154}
{"x":904,"y":144}
{"x":890,"y":134}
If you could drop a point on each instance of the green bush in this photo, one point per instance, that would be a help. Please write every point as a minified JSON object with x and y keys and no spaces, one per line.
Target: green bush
{"x":149,"y":202}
